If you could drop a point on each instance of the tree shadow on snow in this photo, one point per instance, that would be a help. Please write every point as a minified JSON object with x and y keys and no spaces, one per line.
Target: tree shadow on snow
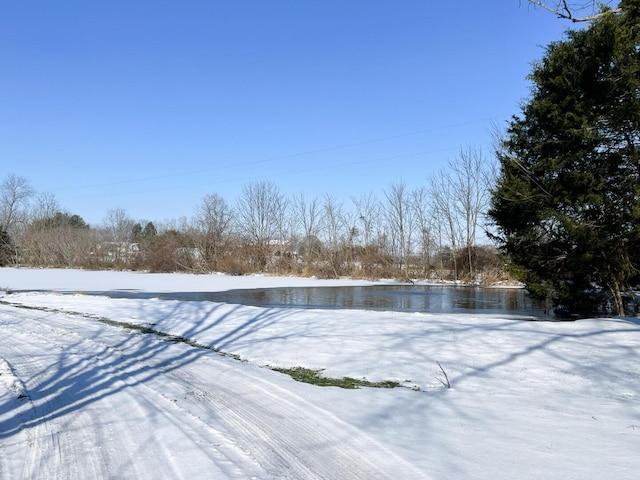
{"x":119,"y":360}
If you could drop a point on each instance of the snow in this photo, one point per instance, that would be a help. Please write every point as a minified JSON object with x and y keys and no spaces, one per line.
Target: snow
{"x":83,"y":399}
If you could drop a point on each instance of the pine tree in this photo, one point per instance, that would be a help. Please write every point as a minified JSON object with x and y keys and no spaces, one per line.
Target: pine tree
{"x":149,"y":230}
{"x":6,"y":247}
{"x":567,"y":202}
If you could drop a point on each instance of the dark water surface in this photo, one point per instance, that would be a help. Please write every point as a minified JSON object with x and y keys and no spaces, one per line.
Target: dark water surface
{"x":402,"y":298}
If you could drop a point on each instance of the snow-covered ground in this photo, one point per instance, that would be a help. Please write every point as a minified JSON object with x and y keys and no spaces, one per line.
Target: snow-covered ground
{"x":83,"y":399}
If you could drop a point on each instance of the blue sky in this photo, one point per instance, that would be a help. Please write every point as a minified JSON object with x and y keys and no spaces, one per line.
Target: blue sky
{"x":149,"y":105}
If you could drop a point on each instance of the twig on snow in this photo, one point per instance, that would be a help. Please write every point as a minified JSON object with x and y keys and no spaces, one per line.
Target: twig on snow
{"x":446,"y":377}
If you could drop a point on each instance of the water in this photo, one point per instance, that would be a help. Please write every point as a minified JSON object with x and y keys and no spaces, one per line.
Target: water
{"x":401,"y":298}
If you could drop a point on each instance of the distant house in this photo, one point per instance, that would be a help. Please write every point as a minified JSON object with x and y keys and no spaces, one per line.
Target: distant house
{"x":117,"y":251}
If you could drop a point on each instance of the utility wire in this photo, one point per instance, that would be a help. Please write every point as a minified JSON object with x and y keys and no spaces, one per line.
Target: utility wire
{"x":273,"y":159}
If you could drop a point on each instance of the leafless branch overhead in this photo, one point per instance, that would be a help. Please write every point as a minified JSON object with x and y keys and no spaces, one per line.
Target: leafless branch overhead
{"x":567,"y":11}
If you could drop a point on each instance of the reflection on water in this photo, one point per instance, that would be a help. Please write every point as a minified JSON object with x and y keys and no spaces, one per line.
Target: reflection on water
{"x":422,"y":298}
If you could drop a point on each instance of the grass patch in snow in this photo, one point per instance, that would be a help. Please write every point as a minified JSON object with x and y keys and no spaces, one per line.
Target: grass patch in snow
{"x":146,"y":329}
{"x":314,"y":377}
{"x":142,"y":328}
{"x":300,"y":374}
{"x":152,"y":331}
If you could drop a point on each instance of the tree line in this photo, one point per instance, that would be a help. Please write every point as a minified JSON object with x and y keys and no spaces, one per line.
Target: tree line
{"x":431,"y":232}
{"x":563,"y":207}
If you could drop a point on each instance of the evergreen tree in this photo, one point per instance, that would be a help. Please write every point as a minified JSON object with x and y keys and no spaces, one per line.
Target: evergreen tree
{"x":60,"y":219}
{"x":567,"y":202}
{"x":6,"y":247}
{"x":149,"y":230}
{"x":136,"y":232}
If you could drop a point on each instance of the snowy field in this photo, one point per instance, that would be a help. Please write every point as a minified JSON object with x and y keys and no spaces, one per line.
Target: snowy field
{"x":81,"y":398}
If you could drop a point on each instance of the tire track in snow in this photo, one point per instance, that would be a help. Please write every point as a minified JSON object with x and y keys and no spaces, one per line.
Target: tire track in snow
{"x":67,"y":427}
{"x":44,"y":440}
{"x":289,"y":436}
{"x":13,"y":402}
{"x":286,"y":435}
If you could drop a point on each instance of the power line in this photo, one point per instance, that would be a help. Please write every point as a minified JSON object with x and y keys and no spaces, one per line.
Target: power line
{"x":278,"y":174}
{"x":277,"y":158}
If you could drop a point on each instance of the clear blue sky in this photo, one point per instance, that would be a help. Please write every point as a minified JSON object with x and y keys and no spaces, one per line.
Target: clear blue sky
{"x":149,"y":105}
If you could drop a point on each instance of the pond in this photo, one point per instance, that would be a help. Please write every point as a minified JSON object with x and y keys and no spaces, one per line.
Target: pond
{"x":402,"y":298}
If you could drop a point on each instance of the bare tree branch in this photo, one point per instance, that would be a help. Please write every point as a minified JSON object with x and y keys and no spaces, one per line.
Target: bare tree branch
{"x":566,"y":11}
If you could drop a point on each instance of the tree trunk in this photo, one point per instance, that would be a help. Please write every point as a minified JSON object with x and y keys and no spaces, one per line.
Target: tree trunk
{"x":617,"y":298}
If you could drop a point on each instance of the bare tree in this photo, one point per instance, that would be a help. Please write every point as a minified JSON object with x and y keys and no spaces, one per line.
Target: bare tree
{"x":118,"y":225}
{"x":440,"y":188}
{"x":424,"y":218}
{"x":261,"y":213}
{"x":577,"y":11}
{"x":333,"y":223}
{"x":15,"y":193}
{"x":367,"y":216}
{"x":399,"y":217}
{"x":117,"y":228}
{"x":460,"y":197}
{"x":366,"y":211}
{"x":56,"y":238}
{"x":213,"y":220}
{"x":66,"y":245}
{"x":282,"y":256}
{"x":306,"y":215}
{"x":470,"y":193}
{"x":45,"y":205}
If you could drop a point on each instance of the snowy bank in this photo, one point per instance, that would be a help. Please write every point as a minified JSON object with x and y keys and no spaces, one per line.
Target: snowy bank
{"x":538,"y":400}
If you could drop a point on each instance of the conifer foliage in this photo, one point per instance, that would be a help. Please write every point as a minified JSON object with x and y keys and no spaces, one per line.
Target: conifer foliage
{"x":567,"y":202}
{"x":6,"y":247}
